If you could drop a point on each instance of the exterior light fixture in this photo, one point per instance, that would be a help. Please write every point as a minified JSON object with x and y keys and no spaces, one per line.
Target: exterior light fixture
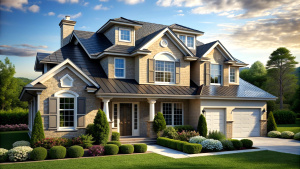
{"x":264,"y":110}
{"x":203,"y":111}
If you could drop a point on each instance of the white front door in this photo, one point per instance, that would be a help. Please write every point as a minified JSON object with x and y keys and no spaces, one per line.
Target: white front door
{"x":215,"y":119}
{"x":246,"y":123}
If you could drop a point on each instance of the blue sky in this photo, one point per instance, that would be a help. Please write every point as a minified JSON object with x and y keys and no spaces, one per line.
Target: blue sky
{"x":250,"y":30}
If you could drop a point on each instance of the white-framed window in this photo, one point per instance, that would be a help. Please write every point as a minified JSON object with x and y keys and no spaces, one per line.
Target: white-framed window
{"x":215,"y":74}
{"x":124,"y":35}
{"x":115,"y":116}
{"x":189,"y":41}
{"x":173,"y":113}
{"x":164,"y":68}
{"x":232,"y":75}
{"x":120,"y":67}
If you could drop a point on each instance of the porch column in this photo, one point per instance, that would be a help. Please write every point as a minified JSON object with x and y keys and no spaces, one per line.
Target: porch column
{"x":106,"y":108}
{"x":151,"y":109}
{"x":38,"y":94}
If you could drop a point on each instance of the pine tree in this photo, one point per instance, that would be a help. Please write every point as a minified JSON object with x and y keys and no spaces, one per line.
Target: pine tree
{"x":101,"y":128}
{"x":271,"y":126}
{"x":38,"y":130}
{"x":202,"y":126}
{"x":159,"y":123}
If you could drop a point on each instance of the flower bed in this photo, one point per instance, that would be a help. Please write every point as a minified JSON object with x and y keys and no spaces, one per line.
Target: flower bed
{"x":13,"y":127}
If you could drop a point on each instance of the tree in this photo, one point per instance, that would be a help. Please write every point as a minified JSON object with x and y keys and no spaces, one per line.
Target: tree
{"x":280,"y":66}
{"x":202,"y":126}
{"x":256,"y":75}
{"x":159,"y":123}
{"x":38,"y":130}
{"x":296,"y":101}
{"x":271,"y":124}
{"x":101,"y":128}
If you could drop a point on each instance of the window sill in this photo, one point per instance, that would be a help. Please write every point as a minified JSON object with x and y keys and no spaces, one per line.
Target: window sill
{"x":164,"y":83}
{"x":66,"y":130}
{"x":125,"y":41}
{"x":217,"y":84}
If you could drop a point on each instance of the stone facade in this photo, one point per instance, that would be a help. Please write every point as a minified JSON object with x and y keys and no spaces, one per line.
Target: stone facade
{"x":263,"y":128}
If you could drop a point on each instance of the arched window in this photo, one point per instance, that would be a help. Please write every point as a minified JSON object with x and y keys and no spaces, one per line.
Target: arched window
{"x":67,"y":109}
{"x":165,"y":68}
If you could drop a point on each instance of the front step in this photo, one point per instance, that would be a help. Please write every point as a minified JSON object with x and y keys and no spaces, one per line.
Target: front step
{"x":134,"y":140}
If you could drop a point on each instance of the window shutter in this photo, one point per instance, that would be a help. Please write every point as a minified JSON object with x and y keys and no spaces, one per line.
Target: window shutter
{"x":81,"y":111}
{"x":151,"y":70}
{"x":207,"y":73}
{"x":177,"y":69}
{"x":53,"y":112}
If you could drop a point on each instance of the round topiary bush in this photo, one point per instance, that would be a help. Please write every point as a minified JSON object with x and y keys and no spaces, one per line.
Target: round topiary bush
{"x":3,"y":155}
{"x":247,"y":143}
{"x":126,"y":149}
{"x":75,"y":151}
{"x":115,"y":143}
{"x":111,"y":149}
{"x":57,"y":152}
{"x":197,"y":139}
{"x":227,"y":145}
{"x":287,"y":134}
{"x":38,"y":154}
{"x":19,"y":153}
{"x":192,"y":148}
{"x":170,"y":132}
{"x":212,"y":145}
{"x":21,"y":143}
{"x":140,"y":148}
{"x":274,"y":134}
{"x":297,"y":136}
{"x":237,"y":144}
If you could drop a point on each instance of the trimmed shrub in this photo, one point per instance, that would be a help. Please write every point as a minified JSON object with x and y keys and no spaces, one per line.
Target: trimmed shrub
{"x":192,"y":148}
{"x":271,"y":124}
{"x":163,"y":141}
{"x":89,"y":129}
{"x":115,"y":136}
{"x":115,"y":143}
{"x":126,"y":149}
{"x":57,"y":152}
{"x":38,"y":154}
{"x":211,"y":145}
{"x":140,"y":148}
{"x":21,"y":143}
{"x":247,"y":143}
{"x":159,"y":123}
{"x":216,"y":135}
{"x":274,"y":134}
{"x":227,"y":145}
{"x":172,"y":144}
{"x":237,"y":144}
{"x":297,"y":136}
{"x":96,"y":150}
{"x":50,"y":142}
{"x":37,"y":130}
{"x":180,"y":145}
{"x":184,"y":128}
{"x":202,"y":126}
{"x":287,"y":134}
{"x":285,"y":117}
{"x":3,"y":155}
{"x":15,"y":116}
{"x":186,"y":135}
{"x":75,"y":151}
{"x":197,"y":139}
{"x":86,"y":141}
{"x":19,"y":153}
{"x":170,"y":132}
{"x":101,"y":128}
{"x":111,"y":149}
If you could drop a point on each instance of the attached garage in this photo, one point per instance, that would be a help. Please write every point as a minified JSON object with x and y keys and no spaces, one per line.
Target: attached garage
{"x":215,"y":119}
{"x":246,"y":123}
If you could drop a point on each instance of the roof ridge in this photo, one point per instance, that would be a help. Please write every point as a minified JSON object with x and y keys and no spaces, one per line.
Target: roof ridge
{"x":84,"y":31}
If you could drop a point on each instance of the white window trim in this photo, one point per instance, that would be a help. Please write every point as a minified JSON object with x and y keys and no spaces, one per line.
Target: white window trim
{"x":119,"y":68}
{"x":221,"y":74}
{"x":63,"y":78}
{"x":174,"y":60}
{"x":186,"y":40}
{"x":174,"y":73}
{"x":161,"y":110}
{"x":235,"y":82}
{"x":121,"y":40}
{"x":66,"y":94}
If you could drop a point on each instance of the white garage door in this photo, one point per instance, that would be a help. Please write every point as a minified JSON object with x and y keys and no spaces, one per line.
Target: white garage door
{"x":215,"y":119}
{"x":246,"y":123}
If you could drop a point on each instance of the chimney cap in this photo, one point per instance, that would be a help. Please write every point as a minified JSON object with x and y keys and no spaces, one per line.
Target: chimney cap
{"x":67,"y":17}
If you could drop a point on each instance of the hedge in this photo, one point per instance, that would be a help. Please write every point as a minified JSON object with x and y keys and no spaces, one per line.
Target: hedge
{"x":111,"y":149}
{"x":237,"y":144}
{"x":115,"y":143}
{"x":15,"y":116}
{"x":57,"y":152}
{"x":285,"y":117}
{"x":180,"y":145}
{"x":184,"y":128}
{"x":140,"y":148}
{"x":115,"y":136}
{"x":38,"y":154}
{"x":126,"y":149}
{"x":247,"y":143}
{"x":75,"y":151}
{"x":192,"y":148}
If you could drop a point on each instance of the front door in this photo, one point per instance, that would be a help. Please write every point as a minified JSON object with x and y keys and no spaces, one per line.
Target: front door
{"x":125,"y":119}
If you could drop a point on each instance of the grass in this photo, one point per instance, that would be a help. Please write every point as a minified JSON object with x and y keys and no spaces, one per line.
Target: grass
{"x":7,"y":138}
{"x":290,"y":127}
{"x":260,"y":159}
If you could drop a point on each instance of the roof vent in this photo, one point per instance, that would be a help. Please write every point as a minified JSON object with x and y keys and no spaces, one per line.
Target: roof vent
{"x":67,"y":18}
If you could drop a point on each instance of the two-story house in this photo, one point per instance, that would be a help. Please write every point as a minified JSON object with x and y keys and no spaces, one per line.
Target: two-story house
{"x":132,"y":70}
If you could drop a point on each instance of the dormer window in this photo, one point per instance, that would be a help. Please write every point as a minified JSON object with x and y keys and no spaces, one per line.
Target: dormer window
{"x":189,"y":41}
{"x":124,"y":35}
{"x":215,"y":74}
{"x":119,"y":68}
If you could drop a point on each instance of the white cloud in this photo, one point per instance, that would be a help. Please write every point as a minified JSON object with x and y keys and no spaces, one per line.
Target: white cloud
{"x":84,"y":27}
{"x":132,"y":2}
{"x":180,"y":14}
{"x":179,"y":11}
{"x":179,"y":3}
{"x":100,"y":7}
{"x":51,"y":13}
{"x":103,"y":0}
{"x":34,"y":8}
{"x":6,"y":5}
{"x":22,"y":50}
{"x":67,"y":1}
{"x":86,"y":4}
{"x":71,"y":16}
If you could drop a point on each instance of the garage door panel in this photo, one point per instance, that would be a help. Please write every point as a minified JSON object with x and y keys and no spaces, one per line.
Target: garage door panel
{"x":246,"y":122}
{"x":215,"y":119}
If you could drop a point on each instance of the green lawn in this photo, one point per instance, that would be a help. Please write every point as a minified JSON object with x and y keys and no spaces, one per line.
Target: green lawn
{"x":7,"y":138}
{"x":260,"y":159}
{"x":290,"y":127}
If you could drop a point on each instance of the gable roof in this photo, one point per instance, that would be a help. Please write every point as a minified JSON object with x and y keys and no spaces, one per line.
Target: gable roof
{"x":40,"y":56}
{"x":184,"y":28}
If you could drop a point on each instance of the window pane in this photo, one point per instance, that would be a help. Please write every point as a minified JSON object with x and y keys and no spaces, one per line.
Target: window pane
{"x":119,"y":72}
{"x":119,"y":63}
{"x":164,"y":71}
{"x":167,"y":112}
{"x":190,"y":41}
{"x":215,"y":73}
{"x":159,"y":65}
{"x":66,"y":113}
{"x":159,"y":76}
{"x":115,"y":115}
{"x":125,"y":35}
{"x":178,"y":114}
{"x":135,"y":125}
{"x":182,"y":38}
{"x":232,"y":74}
{"x":119,"y":67}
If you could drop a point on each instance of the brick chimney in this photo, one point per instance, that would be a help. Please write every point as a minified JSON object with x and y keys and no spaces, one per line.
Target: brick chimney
{"x":66,"y":29}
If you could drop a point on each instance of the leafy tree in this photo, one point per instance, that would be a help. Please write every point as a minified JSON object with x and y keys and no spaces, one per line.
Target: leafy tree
{"x":256,"y":75}
{"x":159,"y":123}
{"x":271,"y":105}
{"x":37,"y":130}
{"x":202,"y":126}
{"x":296,"y":101}
{"x":280,"y":66}
{"x":271,"y":124}
{"x":101,"y":128}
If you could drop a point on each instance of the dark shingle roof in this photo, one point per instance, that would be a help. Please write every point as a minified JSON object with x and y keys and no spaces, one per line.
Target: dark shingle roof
{"x":177,"y":26}
{"x":121,"y":19}
{"x":202,"y":49}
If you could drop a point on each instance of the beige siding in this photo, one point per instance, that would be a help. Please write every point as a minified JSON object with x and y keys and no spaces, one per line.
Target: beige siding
{"x":136,"y":66}
{"x":110,"y":34}
{"x":194,"y":112}
{"x":109,"y":67}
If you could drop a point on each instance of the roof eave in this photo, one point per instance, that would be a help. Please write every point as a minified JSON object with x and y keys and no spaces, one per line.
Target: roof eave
{"x":189,"y":32}
{"x":108,"y":24}
{"x":236,"y":98}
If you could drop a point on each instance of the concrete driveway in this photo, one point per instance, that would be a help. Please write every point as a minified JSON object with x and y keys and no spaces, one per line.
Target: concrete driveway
{"x":277,"y":144}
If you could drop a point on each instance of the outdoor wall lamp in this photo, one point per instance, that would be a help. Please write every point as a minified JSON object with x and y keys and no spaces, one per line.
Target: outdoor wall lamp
{"x":203,"y":111}
{"x":264,"y":110}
